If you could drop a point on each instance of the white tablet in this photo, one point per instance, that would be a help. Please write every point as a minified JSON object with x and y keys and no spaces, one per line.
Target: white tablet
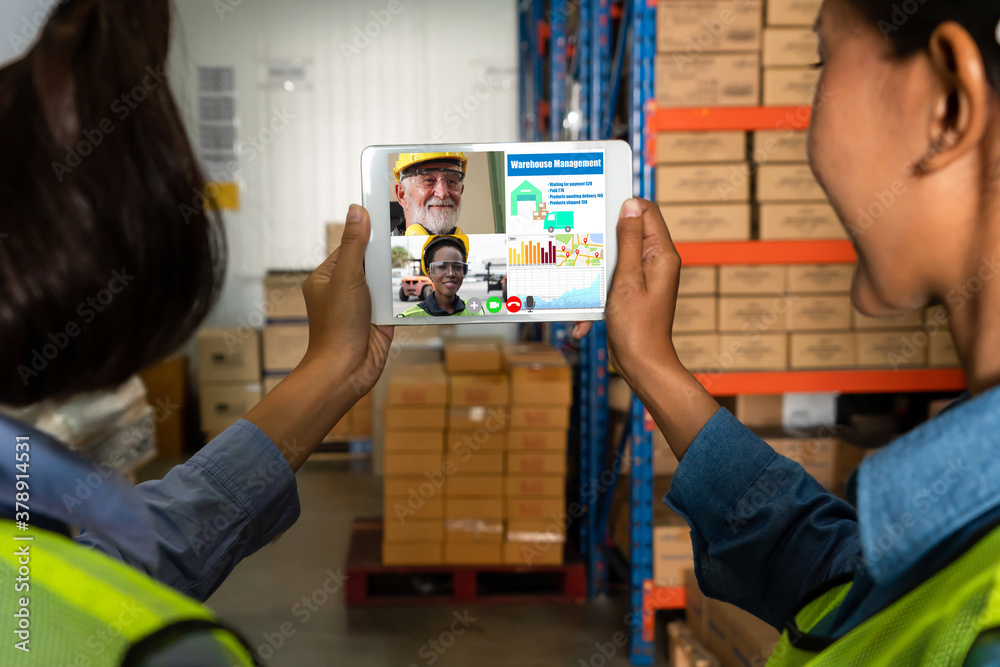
{"x":473,"y":233}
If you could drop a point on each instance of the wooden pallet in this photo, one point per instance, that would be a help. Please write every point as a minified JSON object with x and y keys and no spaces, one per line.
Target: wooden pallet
{"x":370,"y":583}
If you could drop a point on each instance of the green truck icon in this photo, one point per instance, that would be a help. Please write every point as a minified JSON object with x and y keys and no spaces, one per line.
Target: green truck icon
{"x":559,"y":220}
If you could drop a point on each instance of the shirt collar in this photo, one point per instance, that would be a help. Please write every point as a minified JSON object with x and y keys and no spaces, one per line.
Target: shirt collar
{"x":430,"y":305}
{"x":916,"y":492}
{"x":67,"y":488}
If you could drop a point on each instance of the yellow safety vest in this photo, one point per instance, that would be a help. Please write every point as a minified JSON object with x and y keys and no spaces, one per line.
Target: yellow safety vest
{"x":935,"y":624}
{"x":71,"y":606}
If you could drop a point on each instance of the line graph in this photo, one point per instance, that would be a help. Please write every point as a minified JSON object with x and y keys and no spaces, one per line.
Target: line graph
{"x":554,"y":288}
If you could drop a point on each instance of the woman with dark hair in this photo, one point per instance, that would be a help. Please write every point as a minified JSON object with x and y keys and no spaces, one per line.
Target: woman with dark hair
{"x":109,"y":261}
{"x":907,"y":111}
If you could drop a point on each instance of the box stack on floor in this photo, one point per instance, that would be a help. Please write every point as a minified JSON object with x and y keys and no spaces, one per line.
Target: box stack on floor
{"x":541,"y":389}
{"x":228,"y":376}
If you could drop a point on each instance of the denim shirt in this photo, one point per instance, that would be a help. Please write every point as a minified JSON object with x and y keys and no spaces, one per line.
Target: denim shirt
{"x":766,"y":534}
{"x":188,"y":530}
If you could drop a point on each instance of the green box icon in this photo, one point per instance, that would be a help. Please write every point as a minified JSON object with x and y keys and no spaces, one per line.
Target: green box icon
{"x":494,"y":304}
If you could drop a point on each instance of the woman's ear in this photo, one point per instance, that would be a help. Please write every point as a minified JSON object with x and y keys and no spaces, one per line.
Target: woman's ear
{"x":961,"y":109}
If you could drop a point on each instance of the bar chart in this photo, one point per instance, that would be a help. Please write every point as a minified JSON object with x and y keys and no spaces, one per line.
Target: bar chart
{"x":531,"y":253}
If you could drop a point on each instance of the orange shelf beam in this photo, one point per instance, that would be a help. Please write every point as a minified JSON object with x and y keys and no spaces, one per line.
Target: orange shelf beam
{"x":715,"y":119}
{"x":848,"y":382}
{"x":767,"y":252}
{"x":655,"y":598}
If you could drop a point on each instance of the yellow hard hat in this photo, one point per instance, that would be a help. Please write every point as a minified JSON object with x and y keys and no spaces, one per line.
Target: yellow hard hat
{"x":407,"y":160}
{"x":431,"y":240}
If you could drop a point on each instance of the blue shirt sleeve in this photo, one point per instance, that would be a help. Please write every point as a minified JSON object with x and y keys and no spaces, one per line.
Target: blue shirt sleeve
{"x":230,"y":499}
{"x":765,"y":532}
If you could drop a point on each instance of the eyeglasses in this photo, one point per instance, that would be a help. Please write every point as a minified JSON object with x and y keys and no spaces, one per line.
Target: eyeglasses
{"x":429,"y":178}
{"x":444,"y":268}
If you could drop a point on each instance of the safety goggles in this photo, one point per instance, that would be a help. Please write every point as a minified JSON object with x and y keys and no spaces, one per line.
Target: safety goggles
{"x":429,"y":178}
{"x":444,"y":268}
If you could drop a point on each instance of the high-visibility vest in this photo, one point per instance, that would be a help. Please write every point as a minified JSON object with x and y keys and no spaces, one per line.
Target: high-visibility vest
{"x":934,"y":624}
{"x":69,"y":605}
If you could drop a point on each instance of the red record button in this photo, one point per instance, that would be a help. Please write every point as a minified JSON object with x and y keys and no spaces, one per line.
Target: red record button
{"x":513,"y":304}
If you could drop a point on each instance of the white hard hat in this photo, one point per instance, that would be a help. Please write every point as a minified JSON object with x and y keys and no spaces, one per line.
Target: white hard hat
{"x":21,"y":23}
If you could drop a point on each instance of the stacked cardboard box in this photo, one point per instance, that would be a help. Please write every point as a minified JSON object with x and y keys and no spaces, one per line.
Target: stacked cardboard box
{"x":414,"y":451}
{"x":685,"y":650}
{"x":541,"y":390}
{"x":478,"y":398}
{"x":228,"y":376}
{"x":752,"y":318}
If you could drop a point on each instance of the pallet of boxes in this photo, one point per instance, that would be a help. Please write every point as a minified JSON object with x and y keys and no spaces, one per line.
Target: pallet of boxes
{"x":228,"y":377}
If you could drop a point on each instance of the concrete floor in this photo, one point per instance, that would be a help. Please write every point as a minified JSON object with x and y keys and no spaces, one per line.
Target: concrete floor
{"x":261,"y":595}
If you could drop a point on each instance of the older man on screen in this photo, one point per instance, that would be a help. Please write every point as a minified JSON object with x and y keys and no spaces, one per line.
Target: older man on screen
{"x":429,"y":187}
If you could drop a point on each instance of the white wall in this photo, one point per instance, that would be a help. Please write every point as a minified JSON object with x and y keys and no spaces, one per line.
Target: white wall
{"x":406,"y":84}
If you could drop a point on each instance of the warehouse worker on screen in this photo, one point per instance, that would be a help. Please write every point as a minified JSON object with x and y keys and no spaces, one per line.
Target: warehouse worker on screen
{"x":429,"y":187}
{"x":905,"y":140}
{"x":444,"y":260}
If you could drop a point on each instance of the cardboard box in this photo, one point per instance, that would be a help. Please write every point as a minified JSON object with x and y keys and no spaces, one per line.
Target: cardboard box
{"x":412,"y":531}
{"x":167,"y":392}
{"x":820,"y":351}
{"x":283,"y":295}
{"x":727,"y":182}
{"x":691,"y":147}
{"x":536,"y":531}
{"x":414,"y":485}
{"x":284,"y":346}
{"x":707,"y":222}
{"x":806,"y":221}
{"x":476,"y":463}
{"x":522,"y":553}
{"x":937,"y":317}
{"x":817,"y":455}
{"x":664,"y":460}
{"x":531,"y":352}
{"x":474,"y":486}
{"x":410,"y":465}
{"x":708,"y":26}
{"x":793,"y":12}
{"x":472,"y":441}
{"x":790,"y":47}
{"x":472,"y":390}
{"x":749,"y":641}
{"x":473,"y":530}
{"x":696,"y":605}
{"x":696,"y":314}
{"x":707,"y":80}
{"x":752,"y":313}
{"x":820,"y":313}
{"x":532,"y":463}
{"x":474,"y":508}
{"x":754,"y":279}
{"x":541,"y":384}
{"x":413,"y":506}
{"x":820,"y":278}
{"x":535,"y":485}
{"x":787,"y":182}
{"x":362,"y":421}
{"x":228,"y":355}
{"x":412,"y":553}
{"x":223,"y":404}
{"x":413,"y":440}
{"x":790,"y":86}
{"x":536,"y":440}
{"x":473,"y":553}
{"x":697,"y":351}
{"x":520,"y":507}
{"x":892,"y":349}
{"x":698,"y":281}
{"x":941,"y":351}
{"x":522,"y":416}
{"x":493,"y":418}
{"x":334,"y":235}
{"x":755,"y":411}
{"x":754,"y":352}
{"x":672,"y":554}
{"x":271,"y":381}
{"x":473,"y":357}
{"x":418,"y":384}
{"x":780,"y":146}
{"x":402,"y":417}
{"x":864,"y":323}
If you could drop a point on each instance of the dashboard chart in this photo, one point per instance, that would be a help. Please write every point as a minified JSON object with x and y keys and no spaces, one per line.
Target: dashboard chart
{"x":554,"y":288}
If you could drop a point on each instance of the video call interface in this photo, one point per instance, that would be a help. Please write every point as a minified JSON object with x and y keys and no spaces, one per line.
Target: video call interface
{"x":491,"y":233}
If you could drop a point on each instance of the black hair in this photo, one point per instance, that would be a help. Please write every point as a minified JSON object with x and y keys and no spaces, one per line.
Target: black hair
{"x":442,"y":242}
{"x":109,"y":256}
{"x":909,"y":24}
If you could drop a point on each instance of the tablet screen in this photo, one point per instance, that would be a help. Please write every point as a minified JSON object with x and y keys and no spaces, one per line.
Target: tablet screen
{"x":488,"y":233}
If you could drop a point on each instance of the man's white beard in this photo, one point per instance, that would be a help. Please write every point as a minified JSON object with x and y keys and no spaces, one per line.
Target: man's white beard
{"x":436,"y":220}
